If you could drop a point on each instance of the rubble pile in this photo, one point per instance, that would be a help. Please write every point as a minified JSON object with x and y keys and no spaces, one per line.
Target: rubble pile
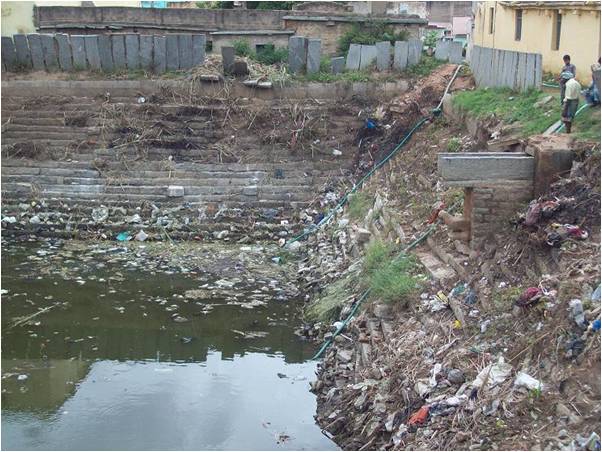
{"x":501,"y":349}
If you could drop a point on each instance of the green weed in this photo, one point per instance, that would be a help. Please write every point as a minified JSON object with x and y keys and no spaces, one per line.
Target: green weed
{"x":503,"y":299}
{"x":359,"y":204}
{"x":453,"y":145}
{"x":390,"y":278}
{"x":369,"y":32}
{"x":426,"y":65}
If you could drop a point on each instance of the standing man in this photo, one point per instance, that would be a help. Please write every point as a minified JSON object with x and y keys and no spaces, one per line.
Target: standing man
{"x":571,"y":99}
{"x":568,"y":67}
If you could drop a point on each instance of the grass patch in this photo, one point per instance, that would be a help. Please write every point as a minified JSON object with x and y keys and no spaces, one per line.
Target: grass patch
{"x":424,"y":68}
{"x":359,"y":204}
{"x":511,"y":106}
{"x":390,"y":278}
{"x":328,"y":77}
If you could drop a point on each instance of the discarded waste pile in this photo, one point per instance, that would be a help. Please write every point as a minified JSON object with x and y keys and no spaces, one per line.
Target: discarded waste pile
{"x":173,"y":166}
{"x":456,"y":348}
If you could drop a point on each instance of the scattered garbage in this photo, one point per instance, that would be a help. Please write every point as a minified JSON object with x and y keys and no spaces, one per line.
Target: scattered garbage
{"x":123,"y":237}
{"x":527,"y":381}
{"x":493,"y":374}
{"x":141,"y":236}
{"x":530,"y":296}
{"x":576,"y":307}
{"x":419,"y":417}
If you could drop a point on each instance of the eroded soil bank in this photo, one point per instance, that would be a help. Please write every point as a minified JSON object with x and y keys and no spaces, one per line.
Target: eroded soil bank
{"x":153,"y":346}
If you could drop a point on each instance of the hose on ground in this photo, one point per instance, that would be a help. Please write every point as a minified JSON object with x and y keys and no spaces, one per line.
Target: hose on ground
{"x":359,"y":184}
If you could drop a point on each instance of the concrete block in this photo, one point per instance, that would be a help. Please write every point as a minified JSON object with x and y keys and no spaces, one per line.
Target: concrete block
{"x":228,"y":59}
{"x":172,"y":53}
{"x":132,"y":51}
{"x":297,"y":54}
{"x":22,"y":49}
{"x":78,"y":49}
{"x":471,"y":169}
{"x":64,"y":51}
{"x":92,"y":53}
{"x":9,"y":53}
{"x":400,"y":55}
{"x":159,"y":54}
{"x":51,"y":58}
{"x":175,"y":191}
{"x":367,"y":56}
{"x":530,"y":71}
{"x":539,"y":72}
{"x":414,"y":51}
{"x":455,"y":52}
{"x":250,"y":191}
{"x":199,"y":42}
{"x":337,"y":65}
{"x":383,"y":55}
{"x":105,"y":52}
{"x":146,"y":52}
{"x":118,"y":47}
{"x":185,"y":50}
{"x":37,"y":55}
{"x":313,"y":55}
{"x":353,"y":57}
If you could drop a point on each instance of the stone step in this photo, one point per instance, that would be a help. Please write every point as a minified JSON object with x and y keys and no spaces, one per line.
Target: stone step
{"x":58,"y":128}
{"x":10,"y":136}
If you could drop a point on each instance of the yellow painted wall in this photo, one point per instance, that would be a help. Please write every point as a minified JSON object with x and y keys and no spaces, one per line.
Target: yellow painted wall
{"x":579,"y":37}
{"x":17,"y":17}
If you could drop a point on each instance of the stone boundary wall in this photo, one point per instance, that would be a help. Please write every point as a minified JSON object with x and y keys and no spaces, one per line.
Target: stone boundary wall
{"x":74,"y":18}
{"x":333,"y":91}
{"x":505,"y":68}
{"x":108,"y":53}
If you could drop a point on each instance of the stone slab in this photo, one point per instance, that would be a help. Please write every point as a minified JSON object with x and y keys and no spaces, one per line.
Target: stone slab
{"x":64,"y":51}
{"x":199,"y":43}
{"x":442,"y":50}
{"x":353,"y":57}
{"x":297,"y":54}
{"x":467,"y":168}
{"x":530,"y":71}
{"x":132,"y":51}
{"x":539,"y":72}
{"x":118,"y":47}
{"x":9,"y":54}
{"x":159,"y":54}
{"x":228,"y":59}
{"x":400,"y":55}
{"x":105,"y":53}
{"x":51,"y":58}
{"x":314,"y":47}
{"x":172,"y":53}
{"x":455,"y":52}
{"x":185,"y":50}
{"x":78,"y":50}
{"x":146,"y":52}
{"x":22,"y":49}
{"x":92,"y":53}
{"x":367,"y":56}
{"x":337,"y":65}
{"x":37,"y":54}
{"x":414,"y":51}
{"x":383,"y":55}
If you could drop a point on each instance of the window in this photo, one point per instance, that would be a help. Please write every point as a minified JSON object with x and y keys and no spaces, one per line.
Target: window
{"x":556,"y":30}
{"x":518,"y":25}
{"x":491,"y":20}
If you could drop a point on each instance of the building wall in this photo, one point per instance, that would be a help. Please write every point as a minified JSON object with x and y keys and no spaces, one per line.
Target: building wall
{"x":330,"y":32}
{"x":579,"y":37}
{"x":445,"y":11}
{"x":18,"y":17}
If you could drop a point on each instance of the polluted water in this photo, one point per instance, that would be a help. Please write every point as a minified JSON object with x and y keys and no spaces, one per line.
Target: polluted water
{"x":134,"y":346}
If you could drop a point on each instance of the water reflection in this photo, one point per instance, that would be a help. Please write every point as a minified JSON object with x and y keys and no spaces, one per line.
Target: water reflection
{"x":108,"y":368}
